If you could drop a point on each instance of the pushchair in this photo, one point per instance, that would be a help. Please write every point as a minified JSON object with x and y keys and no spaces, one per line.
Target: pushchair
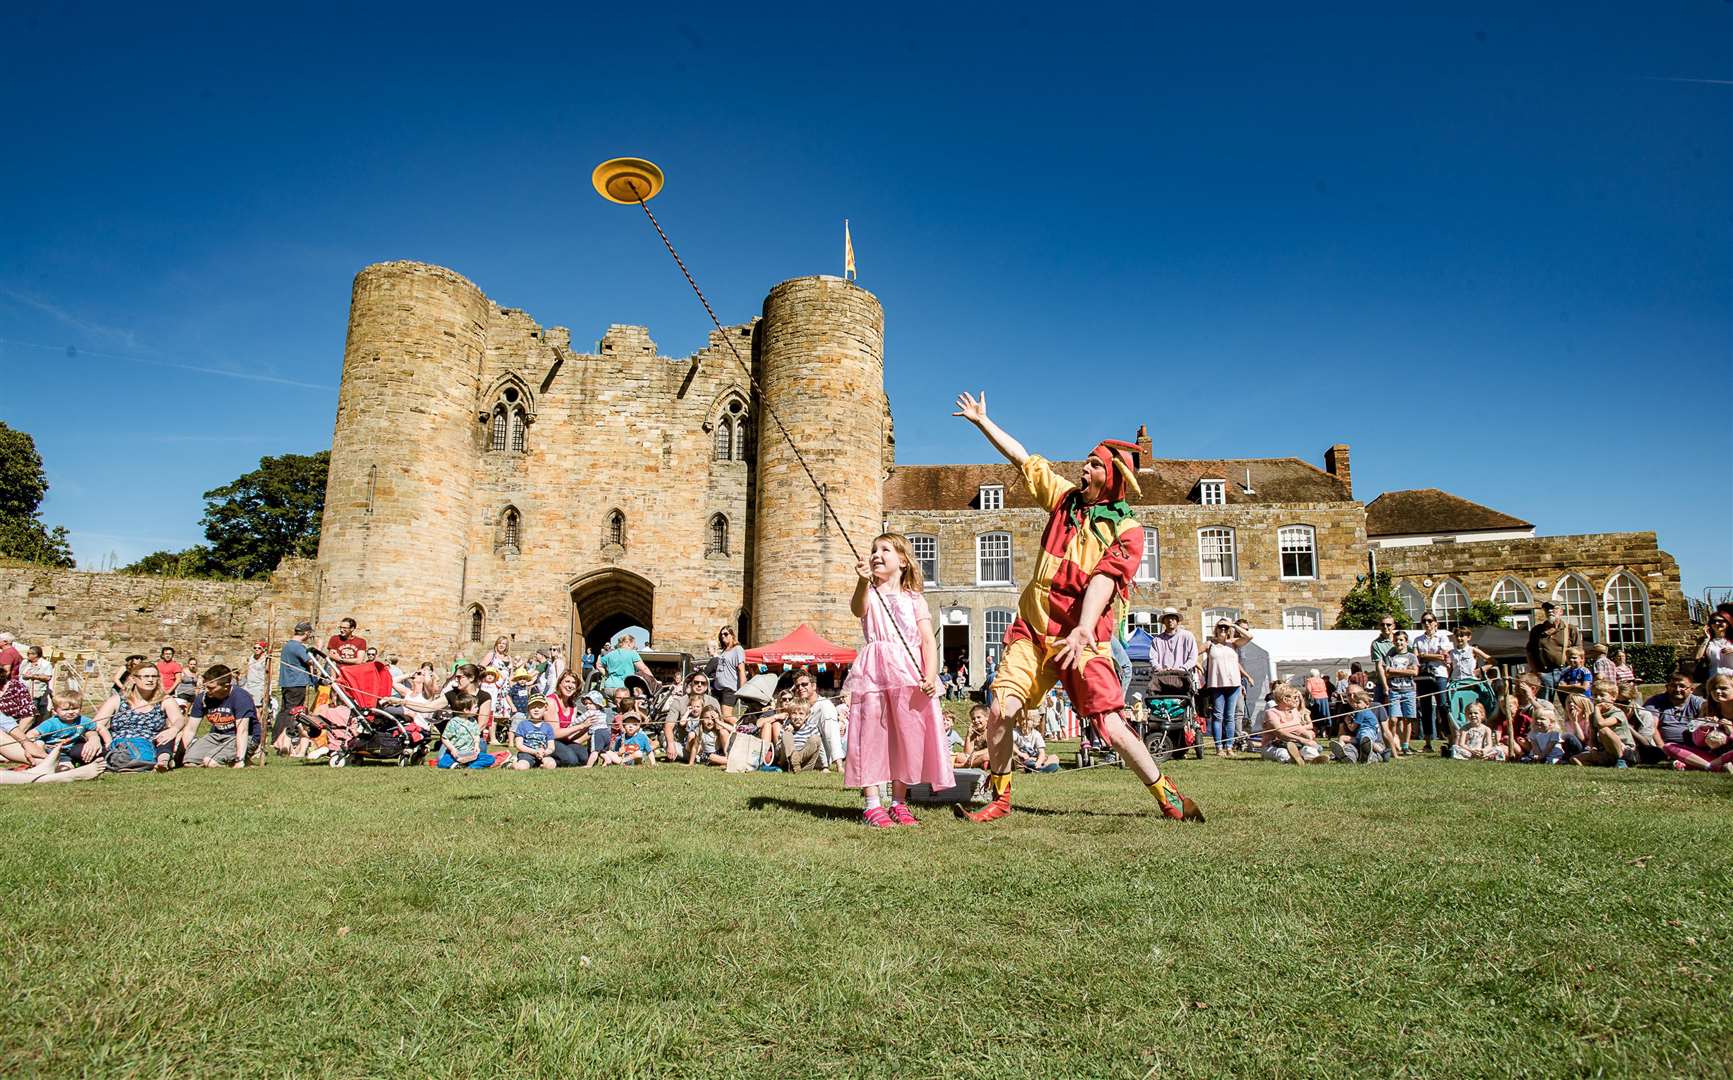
{"x":366,"y":734}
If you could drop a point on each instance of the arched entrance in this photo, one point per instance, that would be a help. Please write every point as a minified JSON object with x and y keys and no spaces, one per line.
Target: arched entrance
{"x":604,"y":603}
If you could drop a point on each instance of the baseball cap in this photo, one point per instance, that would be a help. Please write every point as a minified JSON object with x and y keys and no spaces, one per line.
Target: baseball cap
{"x":537,"y":699}
{"x":303,"y":627}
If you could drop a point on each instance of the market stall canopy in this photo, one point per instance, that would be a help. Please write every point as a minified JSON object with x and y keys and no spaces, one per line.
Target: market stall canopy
{"x":1137,"y":644}
{"x":803,"y":646}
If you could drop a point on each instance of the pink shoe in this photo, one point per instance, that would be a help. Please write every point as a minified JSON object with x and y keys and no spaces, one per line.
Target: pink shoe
{"x":879,"y":818}
{"x":900,"y":814}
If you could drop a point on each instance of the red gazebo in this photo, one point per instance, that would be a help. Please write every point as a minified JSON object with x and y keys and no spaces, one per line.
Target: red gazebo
{"x":803,"y":646}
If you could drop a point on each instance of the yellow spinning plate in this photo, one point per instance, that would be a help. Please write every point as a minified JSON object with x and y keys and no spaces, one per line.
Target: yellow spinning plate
{"x":627,"y":180}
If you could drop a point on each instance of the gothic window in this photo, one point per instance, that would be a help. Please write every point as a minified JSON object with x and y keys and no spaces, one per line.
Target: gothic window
{"x":1576,"y":602}
{"x":499,"y":425}
{"x":730,"y":431}
{"x":725,"y":439}
{"x":616,"y":528}
{"x":1449,"y":601}
{"x":1412,"y":602}
{"x":717,"y":542}
{"x":510,"y":537}
{"x":477,"y":622}
{"x":1512,"y":594}
{"x":518,"y":423}
{"x":1627,"y":611}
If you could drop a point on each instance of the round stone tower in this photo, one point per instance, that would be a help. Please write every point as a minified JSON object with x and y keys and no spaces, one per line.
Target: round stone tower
{"x":393,"y":538}
{"x":821,"y":366}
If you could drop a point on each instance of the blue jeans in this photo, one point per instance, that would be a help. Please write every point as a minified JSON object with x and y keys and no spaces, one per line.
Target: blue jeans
{"x":1224,"y":703}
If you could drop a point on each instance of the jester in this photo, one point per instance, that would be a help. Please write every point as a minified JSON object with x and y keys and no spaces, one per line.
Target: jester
{"x":1063,"y":631}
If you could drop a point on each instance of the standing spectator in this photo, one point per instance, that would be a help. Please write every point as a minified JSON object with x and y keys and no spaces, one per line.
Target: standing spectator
{"x":1221,"y":680}
{"x":1714,"y":655}
{"x":169,"y":669}
{"x":234,"y":720}
{"x":1175,"y":648}
{"x":498,"y":659}
{"x":258,"y":679}
{"x":1397,"y":670}
{"x":1602,"y":666}
{"x":963,"y":679}
{"x":1575,"y":677}
{"x":37,"y":673}
{"x":1318,"y":693}
{"x":987,"y":680}
{"x":294,"y":678}
{"x":345,"y":646}
{"x":1433,"y":649}
{"x":730,"y":670}
{"x":623,"y":660}
{"x":1547,"y":642}
{"x":1380,"y":646}
{"x":588,"y":663}
{"x":1626,"y":675}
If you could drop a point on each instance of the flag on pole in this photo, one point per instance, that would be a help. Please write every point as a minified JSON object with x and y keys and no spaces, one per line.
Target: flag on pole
{"x":848,"y":271}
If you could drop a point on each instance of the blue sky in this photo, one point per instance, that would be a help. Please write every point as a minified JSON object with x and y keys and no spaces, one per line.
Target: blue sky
{"x":1490,"y":250}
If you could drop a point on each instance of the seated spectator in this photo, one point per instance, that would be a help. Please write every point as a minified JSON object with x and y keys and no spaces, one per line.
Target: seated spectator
{"x":709,"y":744}
{"x":1476,"y":742}
{"x":532,"y":737}
{"x":833,"y":747}
{"x":1575,"y":677}
{"x":1626,"y":675}
{"x":973,"y":755}
{"x":234,"y":721}
{"x":1286,"y":735}
{"x":680,"y":714}
{"x":801,"y":748}
{"x":1545,"y":740}
{"x":634,"y":747}
{"x":1615,"y":743}
{"x":1707,"y":743}
{"x":68,"y":731}
{"x":141,"y":728}
{"x":1576,"y":724}
{"x":1370,"y":726}
{"x":1029,"y":748}
{"x":1601,"y":665}
{"x":48,"y":771}
{"x":1675,"y":712}
{"x":186,"y":686}
{"x":461,"y":745}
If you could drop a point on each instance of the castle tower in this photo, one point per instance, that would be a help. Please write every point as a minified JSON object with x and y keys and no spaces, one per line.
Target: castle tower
{"x":392,"y":542}
{"x":821,"y":367}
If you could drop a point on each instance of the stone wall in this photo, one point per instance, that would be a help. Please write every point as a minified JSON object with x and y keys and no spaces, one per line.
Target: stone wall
{"x":1596,"y":558}
{"x":108,"y":616}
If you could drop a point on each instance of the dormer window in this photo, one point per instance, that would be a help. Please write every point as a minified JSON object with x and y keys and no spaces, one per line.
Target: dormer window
{"x":992,"y":497}
{"x":1212,"y":492}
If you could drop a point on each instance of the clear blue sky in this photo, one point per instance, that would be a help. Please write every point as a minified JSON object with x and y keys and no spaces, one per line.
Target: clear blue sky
{"x":1482,"y":248}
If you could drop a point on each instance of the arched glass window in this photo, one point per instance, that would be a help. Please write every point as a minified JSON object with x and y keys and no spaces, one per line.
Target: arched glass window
{"x":617,"y":528}
{"x":498,"y":439}
{"x":1449,"y":601}
{"x":1412,"y":602}
{"x":1512,"y":594}
{"x":510,"y":530}
{"x":1215,"y":555}
{"x":1576,"y":602}
{"x":739,"y":436}
{"x":725,"y":439}
{"x":519,"y":422}
{"x":477,"y":622}
{"x":1627,"y":611}
{"x":718,"y":540}
{"x":1298,"y":547}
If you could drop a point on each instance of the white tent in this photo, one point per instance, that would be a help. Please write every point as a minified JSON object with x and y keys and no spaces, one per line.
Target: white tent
{"x":1278,"y":654}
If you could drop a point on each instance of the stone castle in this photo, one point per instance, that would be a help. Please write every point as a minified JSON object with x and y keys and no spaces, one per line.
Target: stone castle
{"x":489,"y":481}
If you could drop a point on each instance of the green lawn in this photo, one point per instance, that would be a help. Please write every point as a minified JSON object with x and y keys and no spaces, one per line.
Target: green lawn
{"x":1416,"y":919}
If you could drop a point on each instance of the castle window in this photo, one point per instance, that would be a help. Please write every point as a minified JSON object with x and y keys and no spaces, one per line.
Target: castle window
{"x":1577,"y":603}
{"x":1212,"y":492}
{"x":993,"y":559}
{"x":1302,"y":618}
{"x":1299,"y":551}
{"x":739,"y":437}
{"x":994,"y":623}
{"x":1449,"y":601}
{"x":730,"y":431}
{"x":1627,"y":611}
{"x":498,"y":440}
{"x":717,"y":543}
{"x":1215,"y":555}
{"x":1150,"y":568}
{"x":992,"y":497}
{"x":725,"y":439}
{"x":510,"y":532}
{"x":926,"y":549}
{"x":617,"y":528}
{"x":518,"y":423}
{"x":477,"y":622}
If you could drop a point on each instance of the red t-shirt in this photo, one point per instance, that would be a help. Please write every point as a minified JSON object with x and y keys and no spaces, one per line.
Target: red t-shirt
{"x":10,"y":660}
{"x":347,"y":650}
{"x":171,"y":674}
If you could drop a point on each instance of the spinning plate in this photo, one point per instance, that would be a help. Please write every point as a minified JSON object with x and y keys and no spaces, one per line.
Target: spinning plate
{"x":626,"y":180}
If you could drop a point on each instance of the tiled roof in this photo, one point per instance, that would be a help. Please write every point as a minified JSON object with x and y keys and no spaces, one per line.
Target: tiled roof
{"x":1165,"y":481}
{"x":1429,"y":510}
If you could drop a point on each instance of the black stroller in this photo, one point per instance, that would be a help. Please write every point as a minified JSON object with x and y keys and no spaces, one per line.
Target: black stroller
{"x":355,"y":734}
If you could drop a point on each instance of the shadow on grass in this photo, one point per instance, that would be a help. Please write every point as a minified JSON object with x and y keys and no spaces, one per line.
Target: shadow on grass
{"x":811,"y":809}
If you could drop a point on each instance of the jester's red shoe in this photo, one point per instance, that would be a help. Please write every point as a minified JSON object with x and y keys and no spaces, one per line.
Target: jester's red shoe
{"x":993,"y":811}
{"x":1172,"y":803}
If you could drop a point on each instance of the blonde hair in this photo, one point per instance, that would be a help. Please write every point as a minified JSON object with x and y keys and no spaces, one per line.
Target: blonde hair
{"x":911,"y":569}
{"x":1284,"y":692}
{"x":134,"y":690}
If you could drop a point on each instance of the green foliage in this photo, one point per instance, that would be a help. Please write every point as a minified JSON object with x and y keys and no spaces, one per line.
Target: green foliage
{"x":1369,"y":602}
{"x":23,"y":484}
{"x":1485,"y":613}
{"x":1652,"y":663}
{"x":194,"y":562}
{"x":267,"y":515}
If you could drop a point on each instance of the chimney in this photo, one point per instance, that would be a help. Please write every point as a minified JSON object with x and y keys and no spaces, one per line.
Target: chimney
{"x":1145,"y":451}
{"x":1336,"y":464}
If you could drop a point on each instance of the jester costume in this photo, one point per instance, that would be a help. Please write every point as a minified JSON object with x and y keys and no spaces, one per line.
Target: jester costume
{"x":1082,"y":539}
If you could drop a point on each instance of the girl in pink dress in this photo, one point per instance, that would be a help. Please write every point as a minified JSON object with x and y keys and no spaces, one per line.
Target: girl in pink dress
{"x":895,"y":732}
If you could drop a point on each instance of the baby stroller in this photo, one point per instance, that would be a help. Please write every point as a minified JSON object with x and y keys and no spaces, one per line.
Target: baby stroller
{"x":372,"y":734}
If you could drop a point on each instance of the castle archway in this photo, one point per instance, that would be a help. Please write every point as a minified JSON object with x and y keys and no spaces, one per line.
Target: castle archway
{"x":605,"y":602}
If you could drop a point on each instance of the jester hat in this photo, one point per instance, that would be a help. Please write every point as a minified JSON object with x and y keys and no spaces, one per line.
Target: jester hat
{"x":1121,"y":473}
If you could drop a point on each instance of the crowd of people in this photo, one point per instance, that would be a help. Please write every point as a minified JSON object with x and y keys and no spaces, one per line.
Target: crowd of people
{"x":1576,"y":704}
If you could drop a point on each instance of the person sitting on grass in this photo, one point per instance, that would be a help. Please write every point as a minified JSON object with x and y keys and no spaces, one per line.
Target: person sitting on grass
{"x":461,"y":745}
{"x":1674,"y":713}
{"x":598,"y":720}
{"x":1575,"y":677}
{"x":1476,"y":741}
{"x":634,"y":748}
{"x":974,"y":754}
{"x":48,"y":771}
{"x":1286,"y":736}
{"x":1704,"y":741}
{"x":1370,"y":726}
{"x":709,"y":744}
{"x":234,"y":720}
{"x":68,"y":731}
{"x":802,"y":746}
{"x":681,"y":711}
{"x":1029,"y":749}
{"x":141,"y":727}
{"x":1614,"y":743}
{"x":532,"y":737}
{"x":1545,"y":740}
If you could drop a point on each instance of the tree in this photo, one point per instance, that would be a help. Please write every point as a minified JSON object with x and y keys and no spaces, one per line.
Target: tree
{"x":23,"y":484}
{"x":267,"y":515}
{"x":194,"y":562}
{"x":1369,"y":602}
{"x":1484,"y":613}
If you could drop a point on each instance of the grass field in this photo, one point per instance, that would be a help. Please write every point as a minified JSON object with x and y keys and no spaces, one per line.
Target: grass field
{"x":1417,"y":919}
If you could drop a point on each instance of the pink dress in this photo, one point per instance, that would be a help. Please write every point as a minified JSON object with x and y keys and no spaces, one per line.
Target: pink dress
{"x":894,"y":731}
